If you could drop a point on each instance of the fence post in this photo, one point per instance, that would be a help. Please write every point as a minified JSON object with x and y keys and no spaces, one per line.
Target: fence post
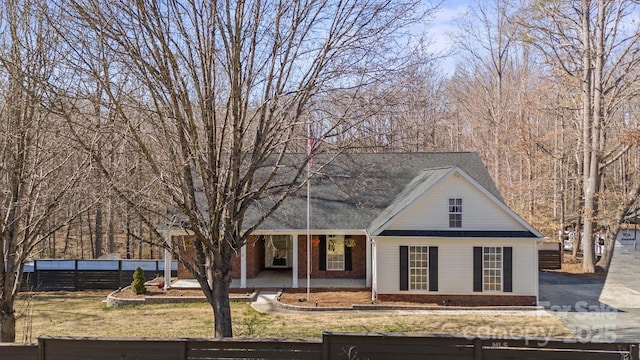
{"x":41,"y":348}
{"x":477,"y":349}
{"x":75,"y":276}
{"x":326,"y":346}
{"x":183,"y":349}
{"x":36,"y":279}
{"x":119,"y":274}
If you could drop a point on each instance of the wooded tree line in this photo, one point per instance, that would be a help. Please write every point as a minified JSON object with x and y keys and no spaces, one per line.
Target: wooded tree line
{"x":113,"y":113}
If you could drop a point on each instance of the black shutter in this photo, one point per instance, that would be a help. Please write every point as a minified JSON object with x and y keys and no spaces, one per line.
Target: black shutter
{"x":323,"y":253}
{"x":433,"y":268}
{"x":477,"y":268}
{"x":347,"y":258}
{"x":404,"y":268}
{"x":507,"y":267}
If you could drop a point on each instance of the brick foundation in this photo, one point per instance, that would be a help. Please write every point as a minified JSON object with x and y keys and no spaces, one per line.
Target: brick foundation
{"x":462,"y":300}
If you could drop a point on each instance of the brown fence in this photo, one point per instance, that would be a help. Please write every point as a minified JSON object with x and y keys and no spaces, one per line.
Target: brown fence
{"x":445,"y":347}
{"x":332,"y":346}
{"x":550,"y":256}
{"x":72,"y":275}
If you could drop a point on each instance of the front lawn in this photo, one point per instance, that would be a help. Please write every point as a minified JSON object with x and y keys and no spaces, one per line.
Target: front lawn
{"x":84,"y":314}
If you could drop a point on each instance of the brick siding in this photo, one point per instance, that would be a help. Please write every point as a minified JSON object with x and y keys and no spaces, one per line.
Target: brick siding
{"x":462,"y":300}
{"x":358,"y":259}
{"x":256,"y":258}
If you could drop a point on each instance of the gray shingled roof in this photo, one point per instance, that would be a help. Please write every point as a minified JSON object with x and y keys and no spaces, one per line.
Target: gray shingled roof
{"x":354,"y":189}
{"x":421,"y":183}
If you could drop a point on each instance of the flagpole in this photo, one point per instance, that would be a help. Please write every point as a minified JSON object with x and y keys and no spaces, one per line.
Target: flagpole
{"x":309,"y":150}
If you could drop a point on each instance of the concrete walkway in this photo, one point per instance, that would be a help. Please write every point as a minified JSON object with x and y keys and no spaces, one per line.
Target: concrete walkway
{"x":265,"y":302}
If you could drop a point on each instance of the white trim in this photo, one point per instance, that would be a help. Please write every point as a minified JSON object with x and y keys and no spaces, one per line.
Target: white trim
{"x":243,"y":266}
{"x":294,"y":263}
{"x":167,"y":269}
{"x":536,"y":279}
{"x":374,"y":270}
{"x":369,"y":264}
{"x":313,"y":232}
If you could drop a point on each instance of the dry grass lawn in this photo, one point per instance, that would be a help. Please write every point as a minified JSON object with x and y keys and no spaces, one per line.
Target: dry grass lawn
{"x":84,"y":314}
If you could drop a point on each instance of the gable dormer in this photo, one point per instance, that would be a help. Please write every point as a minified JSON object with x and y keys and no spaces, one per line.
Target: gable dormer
{"x":448,"y":202}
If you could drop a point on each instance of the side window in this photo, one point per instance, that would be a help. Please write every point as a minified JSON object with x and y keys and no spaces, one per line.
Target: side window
{"x":455,"y":213}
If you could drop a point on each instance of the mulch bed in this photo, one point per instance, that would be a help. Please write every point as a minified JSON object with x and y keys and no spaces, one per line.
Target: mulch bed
{"x":128,"y":293}
{"x":338,"y":298}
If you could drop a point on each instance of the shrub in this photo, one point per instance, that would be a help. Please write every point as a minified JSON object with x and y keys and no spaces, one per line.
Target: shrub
{"x":138,"y":281}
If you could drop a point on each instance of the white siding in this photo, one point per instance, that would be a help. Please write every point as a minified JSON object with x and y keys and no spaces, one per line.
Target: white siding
{"x":431,"y":211}
{"x":455,"y":264}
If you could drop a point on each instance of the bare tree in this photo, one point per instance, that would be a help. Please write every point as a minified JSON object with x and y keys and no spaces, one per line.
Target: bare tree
{"x":38,"y":166}
{"x":219,"y":92}
{"x":606,"y":71}
{"x":496,"y":99}
{"x":487,"y":43}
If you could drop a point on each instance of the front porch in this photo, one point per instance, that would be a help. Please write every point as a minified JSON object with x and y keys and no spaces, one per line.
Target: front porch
{"x":277,"y":279}
{"x":279,"y":260}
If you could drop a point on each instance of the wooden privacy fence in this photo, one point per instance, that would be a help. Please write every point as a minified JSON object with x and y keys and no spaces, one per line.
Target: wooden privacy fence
{"x":332,"y":346}
{"x":446,"y":347}
{"x":550,"y":255}
{"x":72,"y":275}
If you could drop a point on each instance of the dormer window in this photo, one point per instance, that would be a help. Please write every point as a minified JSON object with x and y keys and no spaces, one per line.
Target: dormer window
{"x":455,"y":213}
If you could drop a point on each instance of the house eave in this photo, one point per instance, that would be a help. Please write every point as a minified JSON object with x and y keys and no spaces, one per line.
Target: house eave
{"x":459,"y":233}
{"x":312,"y":232}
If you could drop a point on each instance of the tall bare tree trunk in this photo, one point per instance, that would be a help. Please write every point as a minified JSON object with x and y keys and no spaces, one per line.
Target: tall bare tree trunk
{"x":7,"y":320}
{"x":111,"y":235}
{"x":589,"y":179}
{"x":221,"y":277}
{"x":98,"y":231}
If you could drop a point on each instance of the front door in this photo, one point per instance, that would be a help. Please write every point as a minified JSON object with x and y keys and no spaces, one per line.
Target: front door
{"x":278,"y":251}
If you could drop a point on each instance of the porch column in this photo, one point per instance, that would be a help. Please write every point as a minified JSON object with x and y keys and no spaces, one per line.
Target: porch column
{"x":374,"y":271}
{"x":243,"y":266}
{"x":369,"y":263}
{"x":294,"y":263}
{"x":167,"y":261}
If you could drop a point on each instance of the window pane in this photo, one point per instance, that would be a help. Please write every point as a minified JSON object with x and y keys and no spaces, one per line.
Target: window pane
{"x":335,"y":252}
{"x":419,"y":267}
{"x":455,"y":213}
{"x":492,"y":268}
